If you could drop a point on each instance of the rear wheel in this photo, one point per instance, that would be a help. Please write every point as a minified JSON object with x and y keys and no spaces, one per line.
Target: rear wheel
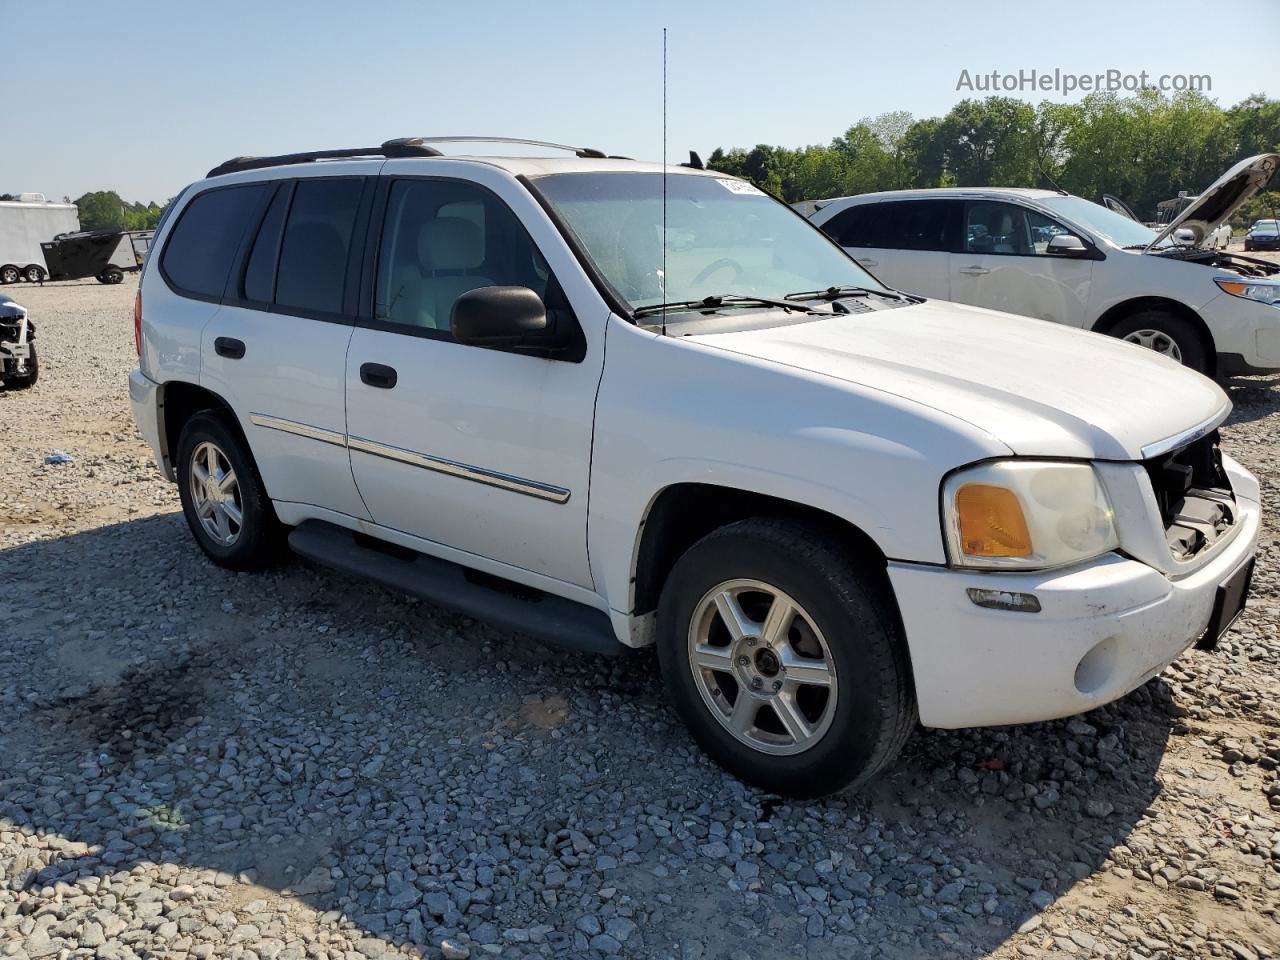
{"x":111,"y":275}
{"x":783,"y":658}
{"x":33,"y":273}
{"x":1167,"y":334}
{"x":223,"y":498}
{"x":9,"y":273}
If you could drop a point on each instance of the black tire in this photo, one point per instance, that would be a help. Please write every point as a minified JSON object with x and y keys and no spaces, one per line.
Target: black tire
{"x":33,"y":273}
{"x":1190,"y":343}
{"x":111,"y":275}
{"x":9,"y":273}
{"x":260,"y":538}
{"x":29,"y":378}
{"x":875,"y":710}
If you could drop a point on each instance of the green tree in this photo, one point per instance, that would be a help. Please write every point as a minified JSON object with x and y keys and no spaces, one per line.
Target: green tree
{"x":1144,"y":148}
{"x":101,"y":210}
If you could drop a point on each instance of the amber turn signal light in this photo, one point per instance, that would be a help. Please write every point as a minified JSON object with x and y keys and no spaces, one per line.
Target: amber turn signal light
{"x":991,"y":522}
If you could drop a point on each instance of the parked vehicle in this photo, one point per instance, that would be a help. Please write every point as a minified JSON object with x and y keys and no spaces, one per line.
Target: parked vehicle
{"x":836,"y":509}
{"x":25,"y":224}
{"x":19,"y":365}
{"x":1062,"y":258}
{"x":1218,"y":239}
{"x":1263,"y":235}
{"x":106,"y":255}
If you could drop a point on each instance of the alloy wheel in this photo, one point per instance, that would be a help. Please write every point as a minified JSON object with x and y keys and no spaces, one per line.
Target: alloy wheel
{"x":762,"y":667}
{"x":1156,"y":340}
{"x":215,"y":494}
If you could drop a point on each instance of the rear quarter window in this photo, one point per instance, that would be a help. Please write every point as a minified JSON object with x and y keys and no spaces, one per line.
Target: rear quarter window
{"x":198,"y":255}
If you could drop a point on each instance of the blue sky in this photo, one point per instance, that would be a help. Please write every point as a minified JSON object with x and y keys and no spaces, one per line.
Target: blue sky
{"x":145,"y":96}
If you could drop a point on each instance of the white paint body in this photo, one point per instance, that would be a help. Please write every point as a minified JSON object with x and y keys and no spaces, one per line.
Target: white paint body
{"x":860,"y":417}
{"x":1066,"y":290}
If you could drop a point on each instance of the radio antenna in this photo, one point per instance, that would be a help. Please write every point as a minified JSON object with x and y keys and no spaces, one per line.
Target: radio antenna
{"x":664,"y":181}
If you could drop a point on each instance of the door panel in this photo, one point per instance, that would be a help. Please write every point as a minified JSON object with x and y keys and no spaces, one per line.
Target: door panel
{"x":922,"y":272}
{"x":287,"y":390}
{"x":285,"y":337}
{"x":476,"y":449}
{"x":904,"y":243}
{"x":1002,"y":265}
{"x":481,"y":450}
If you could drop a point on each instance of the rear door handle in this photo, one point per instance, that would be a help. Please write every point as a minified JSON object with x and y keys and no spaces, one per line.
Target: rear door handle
{"x":975,"y":271}
{"x":867,"y":262}
{"x":229,"y":347}
{"x":378,"y":375}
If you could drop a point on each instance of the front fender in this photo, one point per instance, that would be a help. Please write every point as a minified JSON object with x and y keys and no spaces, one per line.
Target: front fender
{"x":674,"y":411}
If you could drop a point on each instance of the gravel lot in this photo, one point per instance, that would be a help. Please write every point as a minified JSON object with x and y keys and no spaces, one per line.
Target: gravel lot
{"x":195,"y":763}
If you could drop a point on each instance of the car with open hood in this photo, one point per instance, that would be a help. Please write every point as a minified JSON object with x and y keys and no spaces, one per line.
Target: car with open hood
{"x":1057,"y":257}
{"x":608,"y":404}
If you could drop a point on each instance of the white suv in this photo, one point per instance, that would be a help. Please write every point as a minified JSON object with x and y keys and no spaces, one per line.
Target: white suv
{"x":518,"y":388}
{"x":1062,"y":258}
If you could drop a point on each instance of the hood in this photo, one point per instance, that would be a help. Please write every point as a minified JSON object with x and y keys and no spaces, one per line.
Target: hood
{"x":1039,"y":388}
{"x":1223,"y":198}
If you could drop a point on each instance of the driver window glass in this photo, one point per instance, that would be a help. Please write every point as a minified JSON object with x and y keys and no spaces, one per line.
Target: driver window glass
{"x":441,"y":239}
{"x":1006,"y":228}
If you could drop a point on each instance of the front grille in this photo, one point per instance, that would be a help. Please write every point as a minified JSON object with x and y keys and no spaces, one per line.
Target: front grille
{"x":1194,"y":495}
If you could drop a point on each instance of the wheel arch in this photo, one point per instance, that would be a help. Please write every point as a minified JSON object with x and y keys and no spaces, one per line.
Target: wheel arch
{"x":177,"y":402}
{"x":1126,"y":308}
{"x":683,"y":513}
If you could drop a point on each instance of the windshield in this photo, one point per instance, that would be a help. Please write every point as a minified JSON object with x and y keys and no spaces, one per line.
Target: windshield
{"x":723,"y":236}
{"x":1119,"y":229}
{"x":1266,"y":226}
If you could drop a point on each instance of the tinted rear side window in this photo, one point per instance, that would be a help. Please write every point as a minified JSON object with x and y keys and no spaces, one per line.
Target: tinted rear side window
{"x":915,"y":225}
{"x":317,"y":238}
{"x":260,"y":272}
{"x":198,"y":256}
{"x":855,"y":227}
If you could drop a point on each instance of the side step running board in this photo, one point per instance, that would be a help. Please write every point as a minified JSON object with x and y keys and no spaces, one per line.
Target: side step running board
{"x":551,"y":619}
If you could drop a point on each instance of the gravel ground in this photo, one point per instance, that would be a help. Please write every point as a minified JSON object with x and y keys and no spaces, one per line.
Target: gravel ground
{"x":195,"y":763}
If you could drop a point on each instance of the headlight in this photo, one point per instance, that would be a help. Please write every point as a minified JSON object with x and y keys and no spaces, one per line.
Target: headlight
{"x":1264,"y":291}
{"x":1026,"y":515}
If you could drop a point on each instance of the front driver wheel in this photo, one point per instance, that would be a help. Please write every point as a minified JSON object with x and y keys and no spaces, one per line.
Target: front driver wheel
{"x":1166,"y":334}
{"x":223,"y":498}
{"x":784,"y":658}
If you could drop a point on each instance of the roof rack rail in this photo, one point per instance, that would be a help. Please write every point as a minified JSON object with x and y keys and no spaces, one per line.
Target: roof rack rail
{"x":589,"y":152}
{"x":403,"y":147}
{"x":398,"y":147}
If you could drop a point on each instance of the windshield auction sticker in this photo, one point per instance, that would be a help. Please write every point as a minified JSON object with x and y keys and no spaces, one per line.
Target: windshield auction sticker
{"x":739,"y":186}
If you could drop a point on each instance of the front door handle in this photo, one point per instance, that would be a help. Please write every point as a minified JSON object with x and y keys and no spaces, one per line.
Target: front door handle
{"x":975,"y":271}
{"x":229,"y":347}
{"x":867,"y":261}
{"x":378,"y":375}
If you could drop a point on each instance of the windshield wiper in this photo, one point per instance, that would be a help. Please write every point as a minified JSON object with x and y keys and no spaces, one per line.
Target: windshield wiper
{"x":721,"y":300}
{"x":835,"y":293}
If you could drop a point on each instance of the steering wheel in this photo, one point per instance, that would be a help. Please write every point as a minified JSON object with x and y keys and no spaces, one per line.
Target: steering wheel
{"x":721,"y":264}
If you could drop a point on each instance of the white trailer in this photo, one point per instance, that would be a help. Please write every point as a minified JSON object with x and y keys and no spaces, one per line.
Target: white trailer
{"x":24,"y":225}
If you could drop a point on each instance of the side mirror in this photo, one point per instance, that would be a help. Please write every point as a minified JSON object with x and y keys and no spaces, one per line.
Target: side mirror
{"x":1182,"y":237}
{"x":499,"y":317}
{"x":1067,"y":245}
